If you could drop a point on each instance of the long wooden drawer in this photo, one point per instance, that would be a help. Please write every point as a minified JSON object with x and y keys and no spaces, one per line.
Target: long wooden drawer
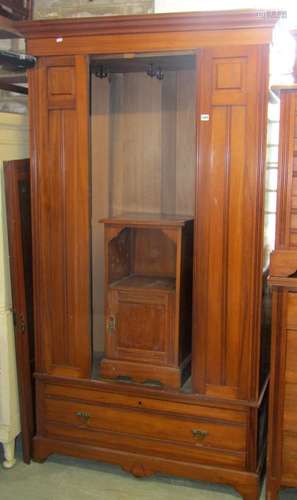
{"x":125,"y":400}
{"x":142,"y":429}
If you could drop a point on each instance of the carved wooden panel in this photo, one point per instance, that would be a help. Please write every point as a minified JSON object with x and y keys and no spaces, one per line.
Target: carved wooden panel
{"x":142,"y":321}
{"x":61,"y":86}
{"x":229,"y":220}
{"x":60,"y":215}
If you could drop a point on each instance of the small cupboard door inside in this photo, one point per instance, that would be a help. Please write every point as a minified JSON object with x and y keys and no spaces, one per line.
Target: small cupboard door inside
{"x":229,"y":221}
{"x":137,"y":325}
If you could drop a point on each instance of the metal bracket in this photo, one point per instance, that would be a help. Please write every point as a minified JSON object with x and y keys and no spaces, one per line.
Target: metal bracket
{"x":19,"y":322}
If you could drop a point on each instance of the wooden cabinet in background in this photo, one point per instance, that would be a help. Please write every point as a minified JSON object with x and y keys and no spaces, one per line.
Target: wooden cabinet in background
{"x":148,"y":297}
{"x":13,"y":144}
{"x":282,"y":435}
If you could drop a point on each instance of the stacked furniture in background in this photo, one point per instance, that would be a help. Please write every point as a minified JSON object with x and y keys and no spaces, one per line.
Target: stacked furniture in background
{"x":282,"y":436}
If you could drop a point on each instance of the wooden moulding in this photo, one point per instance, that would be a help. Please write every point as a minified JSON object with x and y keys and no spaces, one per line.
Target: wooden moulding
{"x":153,"y":392}
{"x":277,"y":89}
{"x":192,"y":21}
{"x":157,"y":32}
{"x":246,"y":483}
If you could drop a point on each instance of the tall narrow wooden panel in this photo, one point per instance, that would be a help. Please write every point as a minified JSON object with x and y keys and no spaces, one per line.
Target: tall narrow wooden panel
{"x":17,"y":187}
{"x":186,"y":156}
{"x":59,"y":103}
{"x":137,"y":134}
{"x":229,"y":217}
{"x":100,"y":119}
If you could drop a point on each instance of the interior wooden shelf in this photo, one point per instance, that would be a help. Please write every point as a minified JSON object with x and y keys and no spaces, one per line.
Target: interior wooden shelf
{"x":131,"y":218}
{"x":145,"y":282}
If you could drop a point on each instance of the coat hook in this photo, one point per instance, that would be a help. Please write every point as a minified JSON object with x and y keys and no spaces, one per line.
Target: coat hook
{"x":102,"y":72}
{"x":159,"y":74}
{"x":151,"y":71}
{"x":155,"y":72}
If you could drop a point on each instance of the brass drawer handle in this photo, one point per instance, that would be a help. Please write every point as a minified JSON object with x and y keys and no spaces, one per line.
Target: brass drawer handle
{"x":84,"y":416}
{"x":199,"y":434}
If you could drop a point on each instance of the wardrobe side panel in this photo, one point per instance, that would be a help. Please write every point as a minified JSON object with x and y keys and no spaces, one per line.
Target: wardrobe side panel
{"x":60,"y":210}
{"x":229,"y":220}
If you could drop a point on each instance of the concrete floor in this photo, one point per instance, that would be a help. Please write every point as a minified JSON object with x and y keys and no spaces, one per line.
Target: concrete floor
{"x":63,"y":478}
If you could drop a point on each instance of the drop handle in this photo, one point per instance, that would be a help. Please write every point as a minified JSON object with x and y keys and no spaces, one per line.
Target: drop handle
{"x":199,"y":434}
{"x":84,"y":416}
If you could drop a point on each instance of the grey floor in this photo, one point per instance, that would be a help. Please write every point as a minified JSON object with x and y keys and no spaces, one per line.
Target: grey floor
{"x":63,"y":478}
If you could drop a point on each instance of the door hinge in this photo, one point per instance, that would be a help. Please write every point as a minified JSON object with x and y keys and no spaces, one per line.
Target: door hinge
{"x":19,"y":322}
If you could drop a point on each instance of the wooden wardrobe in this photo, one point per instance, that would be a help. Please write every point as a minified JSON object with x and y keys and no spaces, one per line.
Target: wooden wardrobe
{"x":158,"y":114}
{"x":282,"y":436}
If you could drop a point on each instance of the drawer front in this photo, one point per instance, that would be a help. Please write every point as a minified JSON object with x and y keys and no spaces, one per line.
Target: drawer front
{"x":138,"y":422}
{"x":146,"y":432}
{"x":94,"y":395}
{"x":290,"y":408}
{"x":291,"y":350}
{"x":289,"y":459}
{"x":291,"y":357}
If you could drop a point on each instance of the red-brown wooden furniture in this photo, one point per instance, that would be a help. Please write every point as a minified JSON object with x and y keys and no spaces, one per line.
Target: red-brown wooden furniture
{"x":150,"y":136}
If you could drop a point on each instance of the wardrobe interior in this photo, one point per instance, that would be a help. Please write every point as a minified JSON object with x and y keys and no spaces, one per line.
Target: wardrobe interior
{"x":143,"y":150}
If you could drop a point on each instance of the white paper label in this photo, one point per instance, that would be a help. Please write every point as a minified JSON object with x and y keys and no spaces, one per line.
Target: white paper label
{"x":204,"y":118}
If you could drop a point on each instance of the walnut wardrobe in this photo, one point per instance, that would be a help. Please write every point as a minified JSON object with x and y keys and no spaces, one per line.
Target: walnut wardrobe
{"x":156,"y":125}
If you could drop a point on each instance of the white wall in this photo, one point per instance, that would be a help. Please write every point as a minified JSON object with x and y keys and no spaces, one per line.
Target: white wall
{"x":198,"y":5}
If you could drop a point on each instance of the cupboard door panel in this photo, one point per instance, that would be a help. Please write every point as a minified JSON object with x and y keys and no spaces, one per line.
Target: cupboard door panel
{"x":141,"y":322}
{"x":228,"y":246}
{"x":60,"y":215}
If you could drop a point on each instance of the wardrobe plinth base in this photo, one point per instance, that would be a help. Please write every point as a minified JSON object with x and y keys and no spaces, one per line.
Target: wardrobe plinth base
{"x":245,"y":483}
